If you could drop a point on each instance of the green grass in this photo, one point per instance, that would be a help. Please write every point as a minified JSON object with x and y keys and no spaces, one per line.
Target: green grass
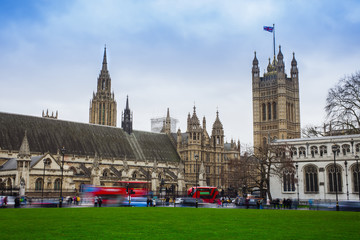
{"x":176,"y":223}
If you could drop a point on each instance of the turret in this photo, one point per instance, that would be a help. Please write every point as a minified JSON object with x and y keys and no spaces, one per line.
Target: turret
{"x":255,"y":67}
{"x":218,"y":132}
{"x":280,"y":67}
{"x":294,"y":70}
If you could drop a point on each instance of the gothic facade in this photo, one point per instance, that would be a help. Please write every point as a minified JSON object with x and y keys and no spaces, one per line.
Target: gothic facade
{"x":31,"y":160}
{"x":276,"y":110}
{"x":99,"y":153}
{"x":206,"y":157}
{"x":103,"y":109}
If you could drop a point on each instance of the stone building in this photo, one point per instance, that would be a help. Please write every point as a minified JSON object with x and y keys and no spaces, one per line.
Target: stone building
{"x":276,"y":110}
{"x":99,"y":153}
{"x":95,"y":154}
{"x":324,"y":167}
{"x":206,"y":157}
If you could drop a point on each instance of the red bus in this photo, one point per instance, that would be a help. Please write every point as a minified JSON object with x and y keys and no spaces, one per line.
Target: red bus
{"x":118,"y":194}
{"x":207,"y":194}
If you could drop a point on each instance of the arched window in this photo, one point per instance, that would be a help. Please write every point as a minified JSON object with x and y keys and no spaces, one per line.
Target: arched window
{"x":269,"y":111}
{"x":323,"y":150}
{"x":39,"y":184}
{"x":311,"y":179}
{"x":355,"y":177}
{"x":293,"y":151}
{"x":314,"y":151}
{"x":357,"y":148}
{"x":9,"y":183}
{"x":334,"y":178}
{"x":263,"y":112}
{"x":57,"y":184}
{"x":302,"y":152}
{"x":134,"y":175}
{"x":345,"y":149}
{"x":288,"y":181}
{"x":274,"y":110}
{"x":106,"y":173}
{"x":2,"y":185}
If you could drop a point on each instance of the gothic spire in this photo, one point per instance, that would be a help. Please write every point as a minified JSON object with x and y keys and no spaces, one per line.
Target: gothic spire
{"x":127,"y":102}
{"x":24,"y":148}
{"x":104,"y":64}
{"x":127,"y":118}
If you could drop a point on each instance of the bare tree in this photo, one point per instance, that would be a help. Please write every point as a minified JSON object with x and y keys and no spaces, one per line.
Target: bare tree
{"x":343,"y":104}
{"x":312,"y":131}
{"x":272,"y":159}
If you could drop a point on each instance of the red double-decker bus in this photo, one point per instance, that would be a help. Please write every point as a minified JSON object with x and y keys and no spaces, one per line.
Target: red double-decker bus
{"x":120,"y":194}
{"x":207,"y":194}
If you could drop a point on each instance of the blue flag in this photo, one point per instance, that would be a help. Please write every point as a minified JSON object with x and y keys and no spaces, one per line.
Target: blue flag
{"x":269,"y":29}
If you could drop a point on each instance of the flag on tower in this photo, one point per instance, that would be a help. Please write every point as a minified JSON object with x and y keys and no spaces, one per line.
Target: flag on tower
{"x":269,"y":29}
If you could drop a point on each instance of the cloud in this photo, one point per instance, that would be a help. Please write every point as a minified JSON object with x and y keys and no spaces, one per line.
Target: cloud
{"x":170,"y":54}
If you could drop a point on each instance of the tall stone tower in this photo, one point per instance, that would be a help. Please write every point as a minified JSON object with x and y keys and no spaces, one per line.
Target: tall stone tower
{"x":103,"y":105}
{"x":276,"y":110}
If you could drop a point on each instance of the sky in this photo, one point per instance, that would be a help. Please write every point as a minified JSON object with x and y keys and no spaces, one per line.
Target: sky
{"x":171,"y":54}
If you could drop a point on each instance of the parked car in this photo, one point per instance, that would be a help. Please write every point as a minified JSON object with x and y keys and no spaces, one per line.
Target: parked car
{"x":188,"y":201}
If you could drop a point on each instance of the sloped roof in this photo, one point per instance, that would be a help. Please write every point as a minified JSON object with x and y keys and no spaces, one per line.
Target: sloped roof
{"x":11,"y":164}
{"x":49,"y":135}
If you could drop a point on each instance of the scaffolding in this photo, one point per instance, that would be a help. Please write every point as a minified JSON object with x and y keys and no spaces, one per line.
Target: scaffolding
{"x":158,"y":123}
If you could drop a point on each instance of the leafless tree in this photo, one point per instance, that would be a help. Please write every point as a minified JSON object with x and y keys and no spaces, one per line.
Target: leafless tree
{"x":343,"y":104}
{"x":269,"y":160}
{"x":312,"y":131}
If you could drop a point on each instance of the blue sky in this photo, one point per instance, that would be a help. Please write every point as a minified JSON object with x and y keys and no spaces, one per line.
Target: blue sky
{"x":171,"y":54}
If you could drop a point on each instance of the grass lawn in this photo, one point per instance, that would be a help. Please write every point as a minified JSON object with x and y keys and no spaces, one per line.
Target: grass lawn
{"x":176,"y":223}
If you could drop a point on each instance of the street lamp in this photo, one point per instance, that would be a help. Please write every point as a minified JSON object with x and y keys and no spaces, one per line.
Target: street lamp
{"x":297,"y":182}
{"x":347,"y":184}
{"x":63,"y":150}
{"x":43,"y":185}
{"x":358,"y":175}
{"x":196,"y":181}
{"x":335,"y":149}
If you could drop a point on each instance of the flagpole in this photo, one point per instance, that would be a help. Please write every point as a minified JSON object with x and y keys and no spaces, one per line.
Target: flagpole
{"x":274,"y":38}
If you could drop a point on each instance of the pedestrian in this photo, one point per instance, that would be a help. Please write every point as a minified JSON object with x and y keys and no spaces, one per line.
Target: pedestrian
{"x":17,"y":202}
{"x":96,"y":201}
{"x":100,"y":201}
{"x":154,"y":203}
{"x":5,"y":201}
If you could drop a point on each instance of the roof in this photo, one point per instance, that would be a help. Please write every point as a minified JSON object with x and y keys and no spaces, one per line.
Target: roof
{"x":11,"y":163}
{"x":49,"y":135}
{"x":315,"y":139}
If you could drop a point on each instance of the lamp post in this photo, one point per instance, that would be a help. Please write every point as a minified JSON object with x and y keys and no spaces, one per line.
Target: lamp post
{"x":196,"y":181}
{"x":42,"y":190}
{"x":347,"y":184}
{"x":297,"y":182}
{"x":335,"y":149}
{"x":358,"y":175}
{"x":63,"y":150}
